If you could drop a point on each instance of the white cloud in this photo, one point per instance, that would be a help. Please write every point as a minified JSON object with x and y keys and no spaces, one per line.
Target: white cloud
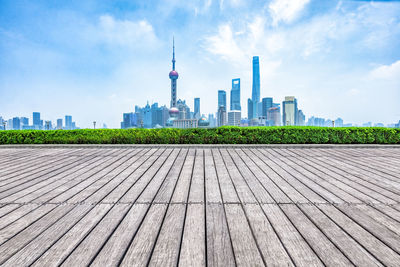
{"x":125,"y":32}
{"x":286,"y":10}
{"x":387,"y":71}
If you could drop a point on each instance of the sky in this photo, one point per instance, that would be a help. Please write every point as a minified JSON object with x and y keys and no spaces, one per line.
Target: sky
{"x":95,"y":60}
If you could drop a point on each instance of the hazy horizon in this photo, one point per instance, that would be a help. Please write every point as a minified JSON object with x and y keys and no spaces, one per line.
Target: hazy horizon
{"x":96,"y":60}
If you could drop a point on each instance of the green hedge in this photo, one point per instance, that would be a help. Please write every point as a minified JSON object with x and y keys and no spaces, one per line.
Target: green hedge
{"x":222,"y":135}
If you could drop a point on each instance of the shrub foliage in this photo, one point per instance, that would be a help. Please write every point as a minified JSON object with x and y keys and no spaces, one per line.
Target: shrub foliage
{"x":222,"y":135}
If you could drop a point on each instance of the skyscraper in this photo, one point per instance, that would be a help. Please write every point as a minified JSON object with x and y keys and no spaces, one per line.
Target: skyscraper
{"x":197,"y":108}
{"x":59,"y":124}
{"x":221,"y":115}
{"x":68,"y":122}
{"x":235,"y":95}
{"x":221,"y":98}
{"x":36,"y":120}
{"x":267,"y":103}
{"x":234,"y":117}
{"x":255,"y":93}
{"x":250,"y":109}
{"x":274,"y":116}
{"x":16,"y":123}
{"x":290,"y":111}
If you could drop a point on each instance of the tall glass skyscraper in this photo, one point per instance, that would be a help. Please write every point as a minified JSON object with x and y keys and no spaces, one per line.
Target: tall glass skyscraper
{"x":267,"y":103}
{"x":68,"y":122}
{"x":290,"y":111}
{"x":197,"y":107}
{"x":255,"y":93}
{"x":235,"y":95}
{"x":36,"y":118}
{"x":221,"y":98}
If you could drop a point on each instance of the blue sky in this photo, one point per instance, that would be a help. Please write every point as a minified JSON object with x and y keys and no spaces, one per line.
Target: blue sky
{"x":95,"y":60}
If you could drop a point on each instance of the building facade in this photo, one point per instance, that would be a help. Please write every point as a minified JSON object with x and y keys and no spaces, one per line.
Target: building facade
{"x":221,"y":114}
{"x":234,"y":117}
{"x":221,"y":98}
{"x":235,"y":95}
{"x":197,"y":114}
{"x":255,"y":93}
{"x":290,"y":111}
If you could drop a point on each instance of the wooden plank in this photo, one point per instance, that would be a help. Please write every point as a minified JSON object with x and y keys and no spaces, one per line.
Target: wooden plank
{"x":167,"y":187}
{"x":113,"y":250}
{"x":219,"y":245}
{"x":326,"y":250}
{"x":181,"y":192}
{"x":297,"y":247}
{"x":139,"y":251}
{"x":193,"y":250}
{"x":166,"y":250}
{"x":260,"y":193}
{"x":244,"y":246}
{"x":241,"y":187}
{"x":213,"y":193}
{"x":196,"y":193}
{"x":357,"y":254}
{"x":273,"y":190}
{"x":61,"y":248}
{"x":7,"y":208}
{"x":272,"y":249}
{"x":86,"y":250}
{"x":225,"y":184}
{"x":374,"y":246}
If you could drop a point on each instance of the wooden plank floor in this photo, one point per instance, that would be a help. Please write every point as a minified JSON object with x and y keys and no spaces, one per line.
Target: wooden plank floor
{"x":199,"y":206}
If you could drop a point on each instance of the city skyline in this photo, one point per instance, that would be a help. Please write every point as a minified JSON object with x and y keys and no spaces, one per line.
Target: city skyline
{"x":96,"y":62}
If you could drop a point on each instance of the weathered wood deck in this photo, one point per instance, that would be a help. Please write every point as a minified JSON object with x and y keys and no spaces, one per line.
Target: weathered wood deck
{"x":196,"y":206}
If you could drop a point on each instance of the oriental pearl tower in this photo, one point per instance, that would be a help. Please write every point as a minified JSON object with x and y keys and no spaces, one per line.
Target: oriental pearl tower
{"x":173,"y":75}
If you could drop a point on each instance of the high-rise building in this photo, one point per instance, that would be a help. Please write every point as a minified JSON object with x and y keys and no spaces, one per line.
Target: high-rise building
{"x":235,"y":95}
{"x":301,"y":118}
{"x":68,"y":122}
{"x":212,"y":120}
{"x":197,"y":108}
{"x":234,"y":117}
{"x":221,"y":116}
{"x":266,"y":104}
{"x":290,"y":111}
{"x":274,"y":116}
{"x":338,"y":122}
{"x":255,"y":93}
{"x":36,"y":120}
{"x":221,"y":98}
{"x":129,"y":120}
{"x":16,"y":122}
{"x":59,"y":124}
{"x":24,"y":121}
{"x":250,"y":109}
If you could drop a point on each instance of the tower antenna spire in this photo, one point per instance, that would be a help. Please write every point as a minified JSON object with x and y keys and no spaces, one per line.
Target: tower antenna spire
{"x":173,"y":52}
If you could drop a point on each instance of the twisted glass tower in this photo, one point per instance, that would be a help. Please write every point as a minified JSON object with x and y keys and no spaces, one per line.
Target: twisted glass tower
{"x":255,"y":94}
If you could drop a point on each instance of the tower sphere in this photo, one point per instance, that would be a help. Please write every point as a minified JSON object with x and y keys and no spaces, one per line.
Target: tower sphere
{"x":173,"y":74}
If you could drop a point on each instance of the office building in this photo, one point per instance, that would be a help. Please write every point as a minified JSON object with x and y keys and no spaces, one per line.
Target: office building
{"x":235,"y":95}
{"x":290,"y":111}
{"x":36,"y":120}
{"x":301,"y":118}
{"x":266,"y":104}
{"x":59,"y":124}
{"x":221,"y":116}
{"x":212,"y":120}
{"x":16,"y":123}
{"x":129,"y":120}
{"x":255,"y":93}
{"x":197,"y":114}
{"x":250,"y":107}
{"x":234,"y":117}
{"x":338,"y":122}
{"x":24,"y":121}
{"x":221,"y":98}
{"x":185,"y":123}
{"x":68,"y":122}
{"x":274,"y":116}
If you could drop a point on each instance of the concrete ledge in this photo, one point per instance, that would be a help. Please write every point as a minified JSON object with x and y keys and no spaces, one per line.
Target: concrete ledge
{"x":111,"y":146}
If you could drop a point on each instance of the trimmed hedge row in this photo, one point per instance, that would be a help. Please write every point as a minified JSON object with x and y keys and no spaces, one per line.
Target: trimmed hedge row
{"x":222,"y":135}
